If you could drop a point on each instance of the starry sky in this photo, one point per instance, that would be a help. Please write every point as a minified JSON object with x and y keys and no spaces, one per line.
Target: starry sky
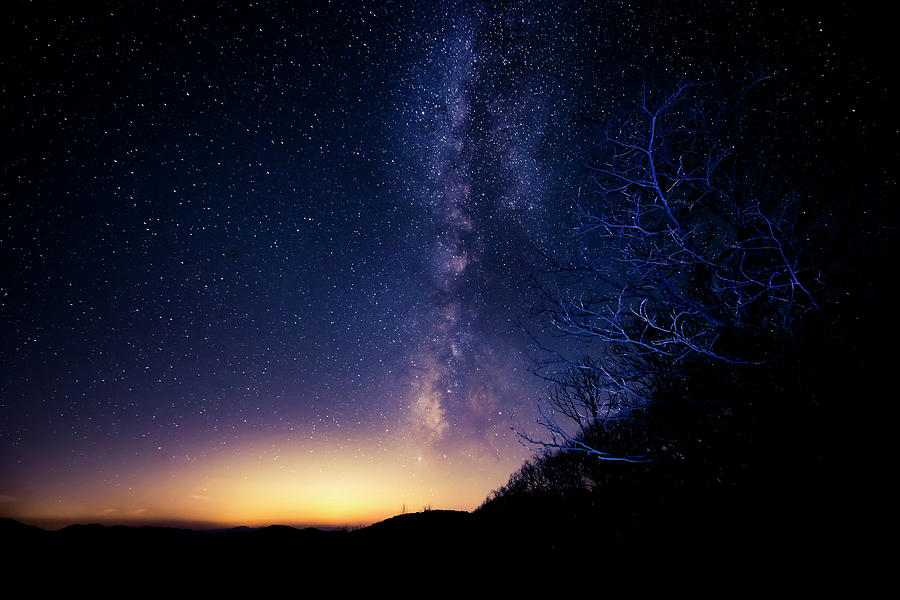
{"x":269,"y":262}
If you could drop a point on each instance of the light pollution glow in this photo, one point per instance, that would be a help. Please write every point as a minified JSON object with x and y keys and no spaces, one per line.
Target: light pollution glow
{"x":272,"y":481}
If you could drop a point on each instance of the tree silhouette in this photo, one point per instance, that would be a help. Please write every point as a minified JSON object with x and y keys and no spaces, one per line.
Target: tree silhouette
{"x":694,"y":252}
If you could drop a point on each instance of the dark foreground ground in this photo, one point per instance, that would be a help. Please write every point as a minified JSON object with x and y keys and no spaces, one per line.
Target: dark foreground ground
{"x":517,"y":547}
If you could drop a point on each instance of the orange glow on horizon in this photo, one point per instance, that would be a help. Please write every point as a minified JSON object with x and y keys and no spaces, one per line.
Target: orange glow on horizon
{"x":274,"y":481}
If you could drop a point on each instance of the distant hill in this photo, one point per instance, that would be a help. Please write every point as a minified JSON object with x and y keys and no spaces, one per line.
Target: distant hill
{"x":407,"y":537}
{"x":517,"y":544}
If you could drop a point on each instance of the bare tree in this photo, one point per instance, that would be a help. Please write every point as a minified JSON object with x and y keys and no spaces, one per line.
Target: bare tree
{"x":692,"y":249}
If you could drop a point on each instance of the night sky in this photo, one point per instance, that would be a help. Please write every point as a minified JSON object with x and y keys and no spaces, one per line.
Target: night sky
{"x":269,"y":262}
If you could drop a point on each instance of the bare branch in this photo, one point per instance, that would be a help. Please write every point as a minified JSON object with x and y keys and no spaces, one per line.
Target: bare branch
{"x":688,"y":247}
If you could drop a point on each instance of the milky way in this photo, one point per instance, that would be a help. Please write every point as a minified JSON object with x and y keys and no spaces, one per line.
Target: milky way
{"x":477,"y":191}
{"x":271,"y":263}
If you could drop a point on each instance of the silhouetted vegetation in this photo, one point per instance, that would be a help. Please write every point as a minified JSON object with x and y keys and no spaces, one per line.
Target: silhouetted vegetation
{"x":726,"y":298}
